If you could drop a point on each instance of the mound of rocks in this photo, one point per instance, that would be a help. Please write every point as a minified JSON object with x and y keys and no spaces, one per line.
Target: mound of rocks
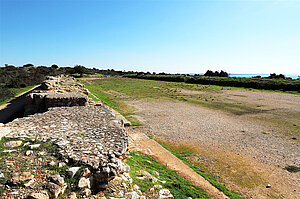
{"x":89,"y":136}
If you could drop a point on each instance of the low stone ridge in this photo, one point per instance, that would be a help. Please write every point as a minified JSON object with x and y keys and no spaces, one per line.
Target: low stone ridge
{"x":40,"y":101}
{"x":89,"y":136}
{"x":57,"y":91}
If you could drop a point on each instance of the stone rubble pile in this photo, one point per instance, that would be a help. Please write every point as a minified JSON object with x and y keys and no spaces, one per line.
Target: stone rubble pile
{"x":63,"y":83}
{"x":89,"y":136}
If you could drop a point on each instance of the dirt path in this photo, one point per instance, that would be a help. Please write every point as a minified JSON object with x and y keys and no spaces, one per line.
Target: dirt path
{"x":245,"y":154}
{"x":138,"y":141}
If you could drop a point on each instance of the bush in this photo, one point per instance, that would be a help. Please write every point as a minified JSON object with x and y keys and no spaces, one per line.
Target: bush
{"x":5,"y":94}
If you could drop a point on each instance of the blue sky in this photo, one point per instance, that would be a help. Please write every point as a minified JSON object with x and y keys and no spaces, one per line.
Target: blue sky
{"x":170,"y":36}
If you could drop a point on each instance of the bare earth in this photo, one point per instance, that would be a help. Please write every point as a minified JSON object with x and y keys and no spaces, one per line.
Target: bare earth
{"x":246,"y":153}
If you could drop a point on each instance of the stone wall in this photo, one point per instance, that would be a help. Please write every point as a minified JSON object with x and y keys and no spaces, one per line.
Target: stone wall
{"x":86,"y":135}
{"x":89,"y":136}
{"x":57,"y":92}
{"x":40,"y":101}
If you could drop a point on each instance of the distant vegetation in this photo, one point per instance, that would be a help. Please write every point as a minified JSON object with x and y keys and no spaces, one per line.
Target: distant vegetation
{"x":14,"y":79}
{"x":29,"y":75}
{"x":274,"y":82}
{"x":216,"y":74}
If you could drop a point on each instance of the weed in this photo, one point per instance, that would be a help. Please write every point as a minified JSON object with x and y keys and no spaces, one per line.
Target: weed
{"x":183,"y":157}
{"x":292,"y":169}
{"x":179,"y":187}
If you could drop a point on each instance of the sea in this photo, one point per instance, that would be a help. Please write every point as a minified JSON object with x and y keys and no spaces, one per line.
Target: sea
{"x":262,"y":75}
{"x":293,"y":76}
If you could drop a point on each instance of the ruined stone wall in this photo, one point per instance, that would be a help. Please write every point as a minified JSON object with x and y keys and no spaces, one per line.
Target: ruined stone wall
{"x":86,"y":135}
{"x":57,"y":92}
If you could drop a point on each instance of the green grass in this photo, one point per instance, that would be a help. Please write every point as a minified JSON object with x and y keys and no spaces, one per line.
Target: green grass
{"x":183,"y":157}
{"x":116,"y":91}
{"x":96,"y":75}
{"x":255,"y":83}
{"x":93,"y":98}
{"x":17,"y":91}
{"x":292,"y":169}
{"x":179,"y":187}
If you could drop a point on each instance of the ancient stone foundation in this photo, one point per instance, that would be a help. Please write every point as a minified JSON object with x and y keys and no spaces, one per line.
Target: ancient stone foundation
{"x":86,"y":135}
{"x":40,"y":101}
{"x":89,"y":136}
{"x":57,"y":92}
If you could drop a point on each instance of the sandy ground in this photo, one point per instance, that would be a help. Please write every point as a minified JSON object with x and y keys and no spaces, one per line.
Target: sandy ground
{"x":230,"y":138}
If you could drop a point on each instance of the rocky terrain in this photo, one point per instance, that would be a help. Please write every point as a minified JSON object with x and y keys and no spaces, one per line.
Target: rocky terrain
{"x":77,"y":149}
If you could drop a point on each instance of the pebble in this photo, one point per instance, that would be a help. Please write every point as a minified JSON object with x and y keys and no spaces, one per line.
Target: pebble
{"x":72,"y":171}
{"x":34,"y":146}
{"x":132,"y":195}
{"x":165,"y":193}
{"x":29,"y":152}
{"x":38,"y":195}
{"x":12,"y":144}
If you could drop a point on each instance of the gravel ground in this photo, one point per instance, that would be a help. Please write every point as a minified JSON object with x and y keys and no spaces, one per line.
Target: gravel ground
{"x":259,"y":141}
{"x":184,"y":121}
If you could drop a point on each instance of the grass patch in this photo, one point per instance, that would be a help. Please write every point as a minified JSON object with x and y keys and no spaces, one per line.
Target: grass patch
{"x":183,"y":156}
{"x":115,"y":91}
{"x":179,"y":187}
{"x":17,"y":91}
{"x":25,"y":163}
{"x":292,"y":169}
{"x":93,"y":98}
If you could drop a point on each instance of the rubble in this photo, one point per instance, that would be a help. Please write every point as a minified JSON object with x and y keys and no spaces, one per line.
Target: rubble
{"x":86,"y":144}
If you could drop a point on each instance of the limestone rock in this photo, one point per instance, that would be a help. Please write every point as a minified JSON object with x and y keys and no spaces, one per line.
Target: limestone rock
{"x":57,"y":179}
{"x":86,"y":192}
{"x":126,"y":168}
{"x":132,"y":195}
{"x":72,"y":195}
{"x":52,"y":163}
{"x":157,"y":186}
{"x":21,"y":177}
{"x":12,"y":144}
{"x":86,"y":172}
{"x":155,"y":173}
{"x":135,"y":187}
{"x":29,"y":183}
{"x":8,"y":151}
{"x":165,"y":193}
{"x":28,"y":152}
{"x":61,"y":164}
{"x":34,"y":146}
{"x":42,"y":153}
{"x":72,"y":171}
{"x":54,"y":189}
{"x":84,"y":182}
{"x":38,"y":195}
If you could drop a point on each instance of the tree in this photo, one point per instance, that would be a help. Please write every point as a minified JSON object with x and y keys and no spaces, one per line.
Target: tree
{"x":79,"y":69}
{"x":28,"y":65}
{"x":223,"y":74}
{"x":209,"y":73}
{"x":54,"y":66}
